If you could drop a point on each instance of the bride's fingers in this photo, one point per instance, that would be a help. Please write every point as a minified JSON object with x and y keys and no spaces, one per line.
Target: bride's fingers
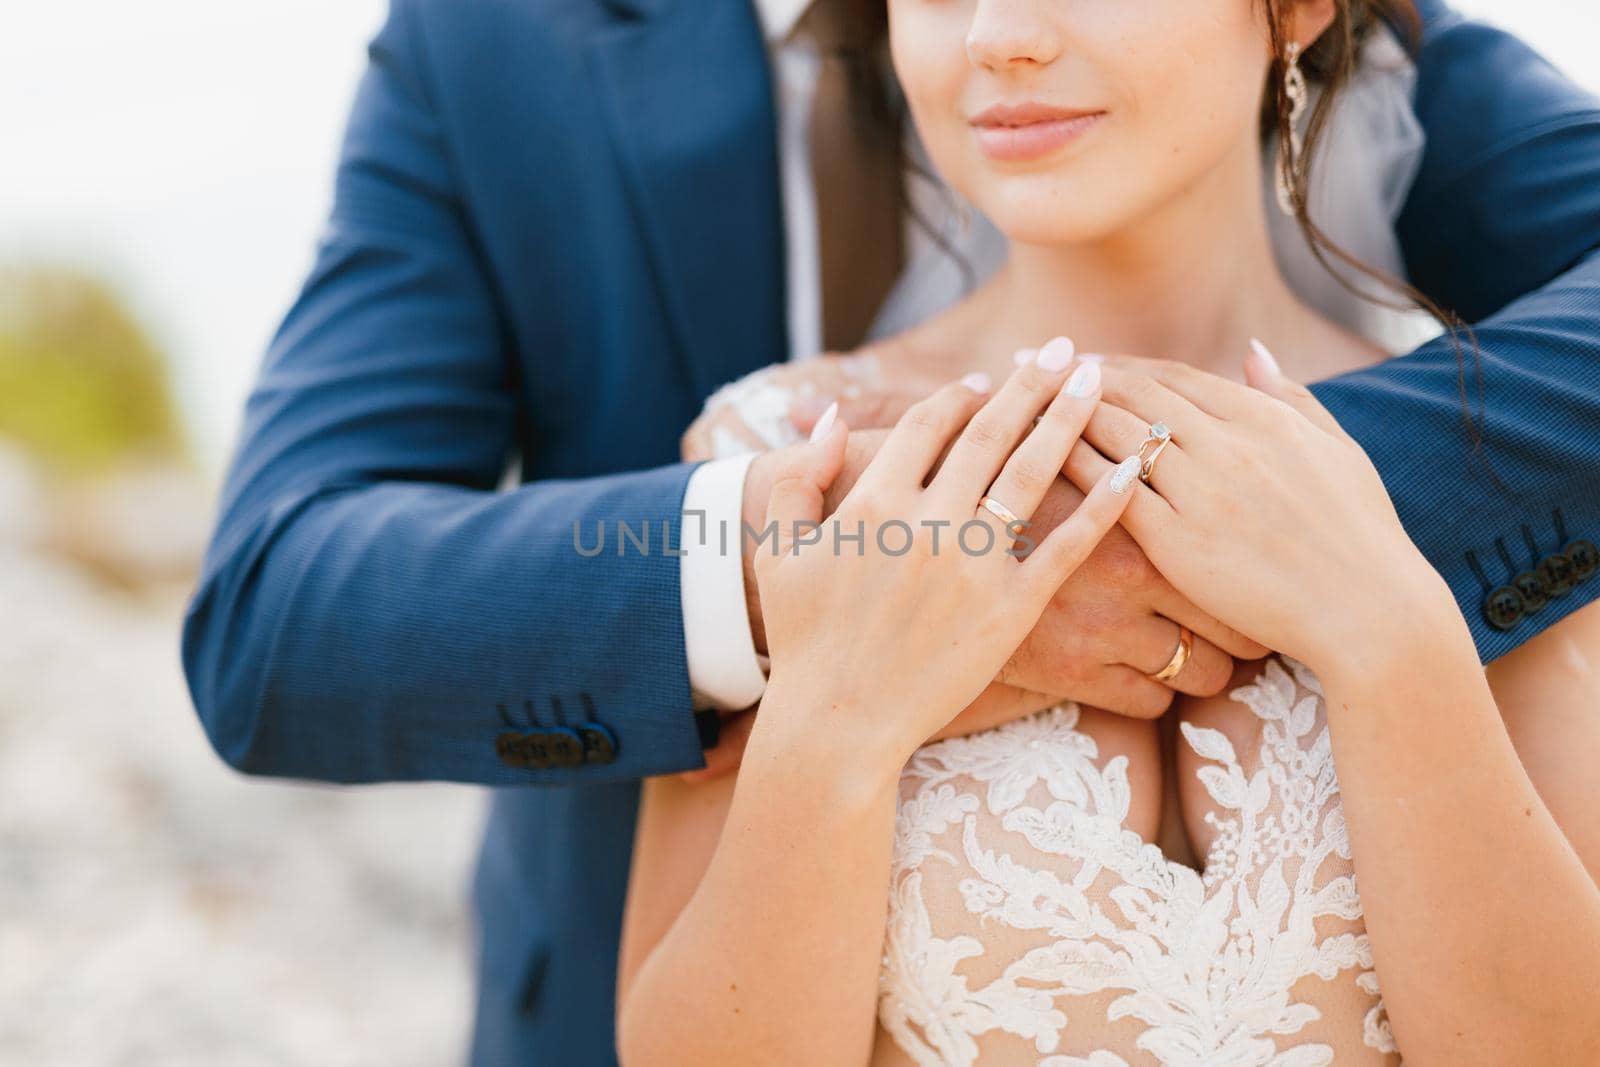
{"x":989,"y":438}
{"x":1261,"y":372}
{"x":1148,"y":514}
{"x":799,"y":483}
{"x":1115,"y":431}
{"x":1054,"y":559}
{"x":922,"y":433}
{"x":1032,"y":468}
{"x":1171,"y":604}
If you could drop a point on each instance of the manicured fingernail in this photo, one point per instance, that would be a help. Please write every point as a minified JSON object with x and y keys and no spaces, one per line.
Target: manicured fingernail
{"x":1025,"y":356}
{"x":1265,"y":355}
{"x":1084,"y":380}
{"x":978,"y":382}
{"x":1056,"y":354}
{"x":1091,"y":357}
{"x":824,"y":424}
{"x":1124,"y":474}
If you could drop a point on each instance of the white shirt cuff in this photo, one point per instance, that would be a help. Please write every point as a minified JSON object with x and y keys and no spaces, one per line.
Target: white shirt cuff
{"x":724,"y":670}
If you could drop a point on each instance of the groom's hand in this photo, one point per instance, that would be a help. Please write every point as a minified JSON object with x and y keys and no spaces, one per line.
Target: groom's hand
{"x":1113,"y":624}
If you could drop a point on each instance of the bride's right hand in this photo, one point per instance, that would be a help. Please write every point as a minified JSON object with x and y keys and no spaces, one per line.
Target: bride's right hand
{"x":884,"y":640}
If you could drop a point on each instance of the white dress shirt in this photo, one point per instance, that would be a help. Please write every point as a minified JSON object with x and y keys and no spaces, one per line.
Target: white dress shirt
{"x":1383,"y":142}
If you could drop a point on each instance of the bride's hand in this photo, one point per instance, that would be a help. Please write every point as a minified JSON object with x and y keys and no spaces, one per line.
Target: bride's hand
{"x":886,"y":638}
{"x":1261,"y":509}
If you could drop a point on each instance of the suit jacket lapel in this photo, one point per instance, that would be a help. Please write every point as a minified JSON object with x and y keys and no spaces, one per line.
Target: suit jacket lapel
{"x":691,"y":113}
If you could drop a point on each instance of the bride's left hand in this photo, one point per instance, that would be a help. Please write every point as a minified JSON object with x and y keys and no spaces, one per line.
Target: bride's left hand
{"x":1261,"y":509}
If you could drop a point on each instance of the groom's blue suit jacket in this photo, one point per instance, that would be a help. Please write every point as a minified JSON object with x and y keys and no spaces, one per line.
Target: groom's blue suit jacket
{"x":556,"y":228}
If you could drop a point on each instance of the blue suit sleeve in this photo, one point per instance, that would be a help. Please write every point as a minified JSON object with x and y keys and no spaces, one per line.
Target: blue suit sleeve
{"x":1502,"y":226}
{"x":371,"y":608}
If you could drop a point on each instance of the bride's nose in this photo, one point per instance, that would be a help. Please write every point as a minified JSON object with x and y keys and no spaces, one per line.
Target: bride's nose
{"x":1010,"y":33}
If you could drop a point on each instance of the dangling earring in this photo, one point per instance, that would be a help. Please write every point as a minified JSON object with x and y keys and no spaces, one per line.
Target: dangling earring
{"x":1294,"y":87}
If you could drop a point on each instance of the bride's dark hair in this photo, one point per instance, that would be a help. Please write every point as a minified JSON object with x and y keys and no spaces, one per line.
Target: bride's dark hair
{"x":1329,"y":63}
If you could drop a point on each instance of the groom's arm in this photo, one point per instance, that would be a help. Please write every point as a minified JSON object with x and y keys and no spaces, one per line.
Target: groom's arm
{"x":1503,"y":226}
{"x":370,"y":607}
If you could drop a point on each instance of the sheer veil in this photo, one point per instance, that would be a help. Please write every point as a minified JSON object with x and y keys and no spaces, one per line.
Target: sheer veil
{"x":1363,"y":170}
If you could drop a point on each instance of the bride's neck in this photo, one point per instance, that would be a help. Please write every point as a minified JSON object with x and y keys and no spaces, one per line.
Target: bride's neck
{"x":1191,"y":281}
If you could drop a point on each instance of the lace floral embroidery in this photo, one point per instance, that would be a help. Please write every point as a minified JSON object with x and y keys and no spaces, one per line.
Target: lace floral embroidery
{"x":1205,"y":963}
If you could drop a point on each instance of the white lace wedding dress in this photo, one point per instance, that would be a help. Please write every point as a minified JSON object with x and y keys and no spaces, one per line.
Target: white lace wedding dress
{"x":1030,"y":925}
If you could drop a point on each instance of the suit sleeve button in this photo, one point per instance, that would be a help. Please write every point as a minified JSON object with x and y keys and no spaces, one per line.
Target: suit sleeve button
{"x":599,"y":743}
{"x":1531,"y":588}
{"x":565,"y":746}
{"x":1584,"y":558}
{"x":1556,"y":571}
{"x":1503,"y":607}
{"x":509,"y":747}
{"x":530,"y":751}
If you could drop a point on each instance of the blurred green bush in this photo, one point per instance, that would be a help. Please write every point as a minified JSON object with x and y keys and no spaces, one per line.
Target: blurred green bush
{"x":83,"y":386}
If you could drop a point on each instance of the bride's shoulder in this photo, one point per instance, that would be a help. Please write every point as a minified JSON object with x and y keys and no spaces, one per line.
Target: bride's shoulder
{"x":1330,"y":349}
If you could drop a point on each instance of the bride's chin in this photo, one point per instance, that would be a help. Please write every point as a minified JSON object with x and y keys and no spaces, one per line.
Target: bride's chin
{"x":1051,"y":224}
{"x":1041,"y":210}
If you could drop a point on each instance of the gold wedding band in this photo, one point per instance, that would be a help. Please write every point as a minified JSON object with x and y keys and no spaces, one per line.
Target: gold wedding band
{"x":1160,"y":437}
{"x":1001,"y":512}
{"x":1180,"y":656}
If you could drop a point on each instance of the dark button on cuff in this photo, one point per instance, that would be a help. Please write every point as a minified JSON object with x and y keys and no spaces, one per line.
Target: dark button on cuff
{"x":566,"y":747}
{"x":1503,"y":607}
{"x":599,"y":743}
{"x":1531,"y":588}
{"x":1556,"y":570}
{"x":1584,"y":558}
{"x":529,"y":750}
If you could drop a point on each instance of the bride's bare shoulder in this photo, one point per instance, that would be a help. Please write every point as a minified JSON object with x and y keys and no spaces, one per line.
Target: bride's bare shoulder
{"x":1333,"y":350}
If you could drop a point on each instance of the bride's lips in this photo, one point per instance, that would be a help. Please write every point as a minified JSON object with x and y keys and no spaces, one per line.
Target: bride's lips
{"x":1014,"y":133}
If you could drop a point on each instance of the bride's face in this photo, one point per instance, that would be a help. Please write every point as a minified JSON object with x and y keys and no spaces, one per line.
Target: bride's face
{"x":1064,"y":120}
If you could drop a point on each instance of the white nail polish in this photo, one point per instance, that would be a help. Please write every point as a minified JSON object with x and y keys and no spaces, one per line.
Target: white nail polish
{"x":1084,"y":380}
{"x":1056,"y":354}
{"x":1091,"y":357}
{"x":824,"y":424}
{"x":1024,"y":356}
{"x":1265,"y":355}
{"x":1123,"y":475}
{"x":978,"y":382}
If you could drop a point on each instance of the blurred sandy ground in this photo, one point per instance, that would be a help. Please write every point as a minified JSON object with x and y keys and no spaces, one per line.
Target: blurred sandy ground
{"x":155,"y":907}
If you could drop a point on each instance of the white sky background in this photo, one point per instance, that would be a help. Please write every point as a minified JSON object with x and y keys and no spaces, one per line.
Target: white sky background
{"x":186,"y":148}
